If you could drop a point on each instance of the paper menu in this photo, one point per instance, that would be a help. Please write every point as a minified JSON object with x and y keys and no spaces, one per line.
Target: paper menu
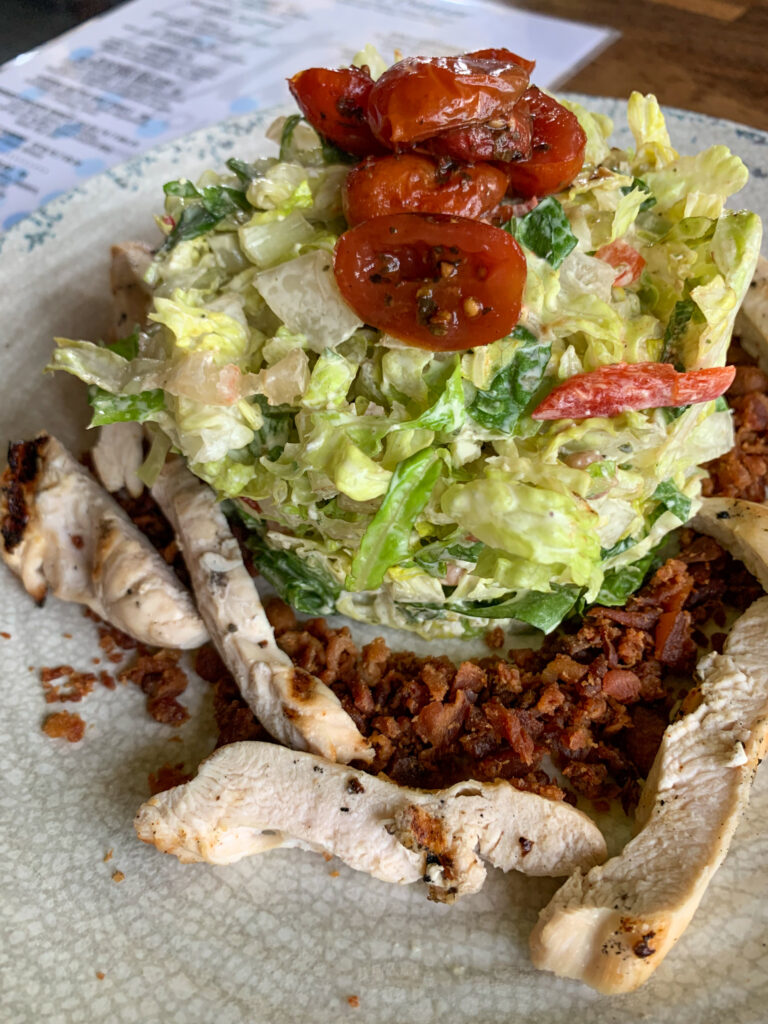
{"x":148,"y":71}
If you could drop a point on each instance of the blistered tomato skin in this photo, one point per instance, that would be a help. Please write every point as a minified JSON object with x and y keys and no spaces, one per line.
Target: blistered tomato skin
{"x":437,"y":282}
{"x":335,"y":102}
{"x":557,"y":149}
{"x":410,"y":183}
{"x":480,"y":142}
{"x":501,"y":54}
{"x":420,"y":97}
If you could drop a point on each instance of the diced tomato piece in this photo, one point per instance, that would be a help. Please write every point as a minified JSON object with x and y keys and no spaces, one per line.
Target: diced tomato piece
{"x":627,"y":261}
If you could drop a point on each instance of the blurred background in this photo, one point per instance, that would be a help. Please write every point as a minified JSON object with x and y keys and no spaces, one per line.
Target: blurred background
{"x":703,"y":55}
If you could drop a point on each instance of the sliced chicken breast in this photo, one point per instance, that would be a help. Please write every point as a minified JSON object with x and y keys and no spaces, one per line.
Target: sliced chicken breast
{"x":752,"y":319}
{"x":131,"y":295}
{"x":741,"y":527}
{"x":249,"y":797}
{"x":612,"y":926}
{"x":61,"y":532}
{"x":117,"y":457}
{"x":292,"y":705}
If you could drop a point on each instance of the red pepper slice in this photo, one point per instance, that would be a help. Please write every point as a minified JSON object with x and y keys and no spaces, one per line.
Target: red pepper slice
{"x":622,"y":387}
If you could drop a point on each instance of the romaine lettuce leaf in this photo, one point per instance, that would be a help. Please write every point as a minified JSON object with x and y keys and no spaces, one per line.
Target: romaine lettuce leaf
{"x":512,"y":389}
{"x":307,"y":588}
{"x":545,"y":230}
{"x":108,"y":408}
{"x":387,"y":539}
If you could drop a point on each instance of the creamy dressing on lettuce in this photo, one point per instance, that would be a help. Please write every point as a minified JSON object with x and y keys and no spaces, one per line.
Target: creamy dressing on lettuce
{"x":412,"y":488}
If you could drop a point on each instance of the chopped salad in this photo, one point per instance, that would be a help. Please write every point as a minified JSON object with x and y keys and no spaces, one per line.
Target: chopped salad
{"x":450,"y":365}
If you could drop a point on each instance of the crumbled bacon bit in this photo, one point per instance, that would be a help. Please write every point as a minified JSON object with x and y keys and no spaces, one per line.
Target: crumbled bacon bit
{"x":118,"y":876}
{"x":162,"y":680}
{"x":5,"y":636}
{"x":168,"y":776}
{"x":208,"y":664}
{"x":354,"y":1001}
{"x":494,"y":638}
{"x":77,"y":686}
{"x":100,"y":975}
{"x":64,"y":725}
{"x":107,"y":680}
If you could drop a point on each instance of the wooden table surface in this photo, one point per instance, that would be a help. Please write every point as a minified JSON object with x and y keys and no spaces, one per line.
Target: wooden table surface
{"x":704,"y":55}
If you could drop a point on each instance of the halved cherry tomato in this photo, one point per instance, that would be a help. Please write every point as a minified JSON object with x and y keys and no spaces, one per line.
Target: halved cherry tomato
{"x":610,"y":390}
{"x":409,"y":183}
{"x":336,"y":104}
{"x":481,"y":142}
{"x":557,"y":148}
{"x":421,"y":96}
{"x":500,"y":53}
{"x":435,"y":281}
{"x":627,"y":261}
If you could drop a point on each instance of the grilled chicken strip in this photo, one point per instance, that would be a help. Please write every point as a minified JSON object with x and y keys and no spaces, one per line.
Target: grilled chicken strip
{"x":131,"y":295}
{"x":741,"y":527}
{"x":250,"y":797}
{"x":61,"y":532}
{"x":118,"y":455}
{"x":614,"y":925}
{"x":292,"y":705}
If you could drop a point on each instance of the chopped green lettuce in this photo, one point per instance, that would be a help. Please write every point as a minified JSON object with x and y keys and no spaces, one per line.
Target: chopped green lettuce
{"x":512,"y":389}
{"x":412,"y":487}
{"x":387,"y":539}
{"x":545,"y":230}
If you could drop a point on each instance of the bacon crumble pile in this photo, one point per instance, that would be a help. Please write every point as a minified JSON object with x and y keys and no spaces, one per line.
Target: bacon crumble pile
{"x":595,"y":701}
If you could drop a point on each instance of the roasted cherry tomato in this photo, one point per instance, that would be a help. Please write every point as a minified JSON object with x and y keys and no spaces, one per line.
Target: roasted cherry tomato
{"x":336,"y":104}
{"x":557,"y":148}
{"x":610,"y":390}
{"x":481,"y":142}
{"x":422,"y":96}
{"x":627,"y":261}
{"x":493,"y":53}
{"x":409,"y":183}
{"x":435,"y":281}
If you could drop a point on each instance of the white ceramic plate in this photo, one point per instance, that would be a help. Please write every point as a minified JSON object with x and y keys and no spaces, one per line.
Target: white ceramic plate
{"x":284,"y":937}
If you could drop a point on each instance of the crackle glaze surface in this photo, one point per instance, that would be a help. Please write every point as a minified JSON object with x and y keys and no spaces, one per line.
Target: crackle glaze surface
{"x":283,"y":937}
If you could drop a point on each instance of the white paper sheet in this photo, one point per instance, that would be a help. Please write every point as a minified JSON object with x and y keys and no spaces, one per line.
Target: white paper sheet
{"x":148,"y":72}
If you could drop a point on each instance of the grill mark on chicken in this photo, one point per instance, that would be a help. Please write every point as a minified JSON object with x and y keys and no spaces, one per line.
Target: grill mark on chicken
{"x":110,"y":567}
{"x":295,"y":707}
{"x":23,"y":463}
